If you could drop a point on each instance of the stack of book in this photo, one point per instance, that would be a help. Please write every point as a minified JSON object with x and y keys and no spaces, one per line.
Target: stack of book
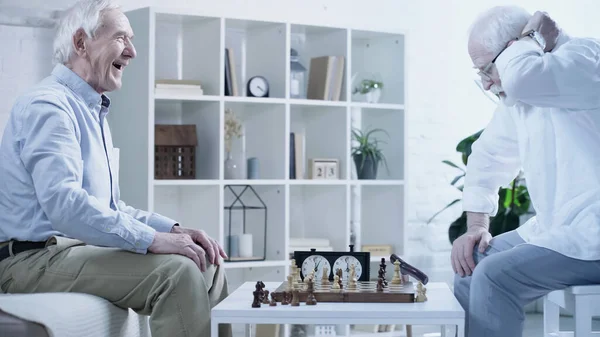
{"x":178,"y":87}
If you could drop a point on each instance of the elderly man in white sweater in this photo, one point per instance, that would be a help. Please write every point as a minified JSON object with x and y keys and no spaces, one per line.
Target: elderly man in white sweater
{"x":548,"y":124}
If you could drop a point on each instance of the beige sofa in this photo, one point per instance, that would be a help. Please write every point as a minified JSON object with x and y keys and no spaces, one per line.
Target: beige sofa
{"x":67,"y":315}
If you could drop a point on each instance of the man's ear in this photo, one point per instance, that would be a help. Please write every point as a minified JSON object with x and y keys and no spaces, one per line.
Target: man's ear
{"x":79,"y":39}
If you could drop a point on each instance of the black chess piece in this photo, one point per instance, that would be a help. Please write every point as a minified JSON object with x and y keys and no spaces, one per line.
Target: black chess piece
{"x":382,"y":271}
{"x":284,"y":298}
{"x":265,"y":297}
{"x":257,"y":294}
{"x":260,"y":287}
{"x":273,"y":301}
{"x":380,"y":284}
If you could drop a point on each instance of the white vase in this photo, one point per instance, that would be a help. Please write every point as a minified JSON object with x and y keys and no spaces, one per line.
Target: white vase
{"x":373,"y":96}
{"x":233,"y":167}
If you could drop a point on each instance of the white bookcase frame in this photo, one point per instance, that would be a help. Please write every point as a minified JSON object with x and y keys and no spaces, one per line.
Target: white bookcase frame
{"x":185,"y":44}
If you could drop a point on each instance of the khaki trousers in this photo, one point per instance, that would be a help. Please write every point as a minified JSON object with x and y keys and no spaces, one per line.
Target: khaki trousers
{"x":169,"y":288}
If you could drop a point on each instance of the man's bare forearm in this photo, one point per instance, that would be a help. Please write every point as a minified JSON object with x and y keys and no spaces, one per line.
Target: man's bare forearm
{"x":477,"y":221}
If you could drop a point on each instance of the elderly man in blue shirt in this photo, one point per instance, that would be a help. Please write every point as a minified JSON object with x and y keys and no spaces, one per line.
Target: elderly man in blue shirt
{"x":548,"y":125}
{"x":62,"y":225}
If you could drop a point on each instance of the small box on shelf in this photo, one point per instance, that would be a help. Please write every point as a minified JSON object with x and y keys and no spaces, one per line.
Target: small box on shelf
{"x":255,"y":58}
{"x":318,"y":142}
{"x":190,"y":59}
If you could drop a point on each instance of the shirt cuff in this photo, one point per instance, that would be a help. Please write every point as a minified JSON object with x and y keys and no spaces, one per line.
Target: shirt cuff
{"x":161,"y":223}
{"x":518,"y":48}
{"x":144,"y":238}
{"x":480,"y":200}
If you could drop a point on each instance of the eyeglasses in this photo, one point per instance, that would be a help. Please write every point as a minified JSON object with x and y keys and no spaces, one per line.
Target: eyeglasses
{"x":486,"y":72}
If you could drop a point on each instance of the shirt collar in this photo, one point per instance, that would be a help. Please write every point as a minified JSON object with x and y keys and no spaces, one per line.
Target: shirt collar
{"x":80,"y":87}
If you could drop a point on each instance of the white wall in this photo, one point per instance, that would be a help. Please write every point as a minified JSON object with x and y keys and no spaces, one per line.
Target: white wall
{"x":444,"y":104}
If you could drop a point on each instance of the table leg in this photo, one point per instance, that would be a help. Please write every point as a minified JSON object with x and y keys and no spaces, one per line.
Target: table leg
{"x":443,"y":332}
{"x":460,"y":329}
{"x":248,"y":330}
{"x":408,"y":330}
{"x":214,"y":328}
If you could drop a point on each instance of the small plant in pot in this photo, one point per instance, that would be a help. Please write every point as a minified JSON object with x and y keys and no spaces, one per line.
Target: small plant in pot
{"x":366,"y":153}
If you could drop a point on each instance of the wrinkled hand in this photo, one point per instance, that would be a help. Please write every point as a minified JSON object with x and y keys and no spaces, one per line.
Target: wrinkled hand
{"x":542,"y":23}
{"x":212,"y":247}
{"x":194,"y":244}
{"x":462,"y":249}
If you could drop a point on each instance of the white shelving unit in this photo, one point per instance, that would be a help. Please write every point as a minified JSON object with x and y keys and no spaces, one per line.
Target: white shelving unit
{"x":182,"y":44}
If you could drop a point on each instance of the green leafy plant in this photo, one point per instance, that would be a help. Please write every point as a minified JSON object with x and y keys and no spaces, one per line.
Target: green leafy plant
{"x":367,"y":86}
{"x":513,"y":201}
{"x":367,"y":150}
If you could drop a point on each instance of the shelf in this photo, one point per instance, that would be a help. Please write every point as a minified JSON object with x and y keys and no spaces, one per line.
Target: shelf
{"x":367,"y":182}
{"x":319,"y":211}
{"x":316,"y":102}
{"x":254,"y":100}
{"x":385,"y":106}
{"x":314,"y":41}
{"x":320,"y":132}
{"x":205,"y":116}
{"x":186,"y":182}
{"x":392,"y":145}
{"x":318,"y":182}
{"x":252,"y":221}
{"x":264,"y":135}
{"x":177,"y":48}
{"x":191,"y":206}
{"x":256,"y":264}
{"x":257,"y":49}
{"x":181,"y":95}
{"x":382,"y":207}
{"x":379,"y":56}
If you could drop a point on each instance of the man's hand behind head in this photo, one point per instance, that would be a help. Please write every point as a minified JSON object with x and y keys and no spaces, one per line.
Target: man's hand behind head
{"x":542,"y":23}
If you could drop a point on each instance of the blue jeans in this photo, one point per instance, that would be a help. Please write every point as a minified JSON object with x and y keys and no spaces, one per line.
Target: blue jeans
{"x":508,"y":276}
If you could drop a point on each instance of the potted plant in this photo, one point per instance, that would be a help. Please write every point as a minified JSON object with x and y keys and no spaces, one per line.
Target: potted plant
{"x":370,"y":88}
{"x":366,"y":153}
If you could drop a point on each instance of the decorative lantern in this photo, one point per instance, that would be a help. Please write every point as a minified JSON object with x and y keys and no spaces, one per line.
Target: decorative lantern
{"x":297,"y":76}
{"x":246,"y":219}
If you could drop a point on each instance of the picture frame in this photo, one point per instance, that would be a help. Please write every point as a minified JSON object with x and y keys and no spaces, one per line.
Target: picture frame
{"x":323,"y":168}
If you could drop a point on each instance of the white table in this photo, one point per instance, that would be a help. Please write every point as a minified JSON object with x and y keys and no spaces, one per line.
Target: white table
{"x":441,"y":308}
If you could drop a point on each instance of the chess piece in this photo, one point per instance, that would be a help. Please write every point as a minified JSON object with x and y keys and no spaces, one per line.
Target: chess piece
{"x":284,"y":298}
{"x":310,"y":296}
{"x":325,"y":277}
{"x":290,"y":283}
{"x":273,"y":301}
{"x":421,"y":293}
{"x":289,"y":296}
{"x":266,"y":297}
{"x":352,"y":278}
{"x":382,"y":267}
{"x":340,"y":281}
{"x":396,"y":279}
{"x":380,"y":284}
{"x":257,"y":294}
{"x":260,"y":286}
{"x":336,"y":283}
{"x":295,"y":298}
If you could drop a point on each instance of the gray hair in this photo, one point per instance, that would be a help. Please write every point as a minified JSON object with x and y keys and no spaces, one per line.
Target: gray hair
{"x":494,"y":28}
{"x":85,"y":14}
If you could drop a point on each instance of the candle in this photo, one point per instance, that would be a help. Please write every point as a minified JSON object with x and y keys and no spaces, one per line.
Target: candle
{"x":245,"y":249}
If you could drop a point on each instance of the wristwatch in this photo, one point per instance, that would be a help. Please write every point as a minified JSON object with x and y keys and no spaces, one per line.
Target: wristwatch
{"x":536,"y":36}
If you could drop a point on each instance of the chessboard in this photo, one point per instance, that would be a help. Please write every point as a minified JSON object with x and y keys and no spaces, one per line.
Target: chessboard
{"x":363,"y":291}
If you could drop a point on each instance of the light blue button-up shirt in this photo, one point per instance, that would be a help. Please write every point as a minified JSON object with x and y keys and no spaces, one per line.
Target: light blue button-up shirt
{"x":59,"y":170}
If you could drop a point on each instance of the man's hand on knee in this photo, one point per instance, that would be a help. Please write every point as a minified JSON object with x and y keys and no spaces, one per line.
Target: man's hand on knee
{"x":183,"y":244}
{"x":462,"y":259}
{"x":210,"y":245}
